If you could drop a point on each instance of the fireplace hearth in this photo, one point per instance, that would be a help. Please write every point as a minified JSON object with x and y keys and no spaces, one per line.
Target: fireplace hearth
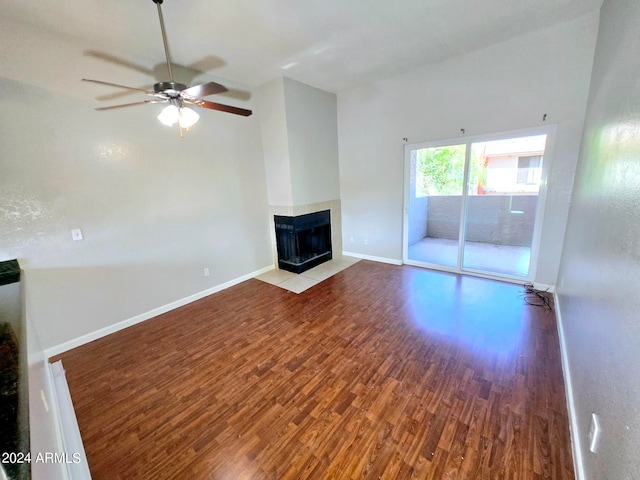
{"x":303,"y":242}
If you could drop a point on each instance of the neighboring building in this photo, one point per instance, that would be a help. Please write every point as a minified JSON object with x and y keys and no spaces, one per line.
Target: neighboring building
{"x":511,"y":166}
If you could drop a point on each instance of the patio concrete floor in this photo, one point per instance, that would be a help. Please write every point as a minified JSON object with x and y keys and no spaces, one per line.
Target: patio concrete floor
{"x":501,"y":259}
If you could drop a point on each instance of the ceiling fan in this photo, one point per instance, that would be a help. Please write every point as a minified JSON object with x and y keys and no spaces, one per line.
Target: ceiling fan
{"x":176,"y":95}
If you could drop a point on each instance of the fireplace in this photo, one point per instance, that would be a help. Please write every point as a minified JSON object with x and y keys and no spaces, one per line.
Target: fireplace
{"x":303,"y":241}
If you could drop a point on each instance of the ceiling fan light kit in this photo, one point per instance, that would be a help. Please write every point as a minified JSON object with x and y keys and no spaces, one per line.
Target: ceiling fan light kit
{"x":177,"y":95}
{"x":185,"y":116}
{"x":169,"y":115}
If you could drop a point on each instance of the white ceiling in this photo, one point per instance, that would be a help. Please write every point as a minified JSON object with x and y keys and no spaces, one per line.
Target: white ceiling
{"x":330,"y":44}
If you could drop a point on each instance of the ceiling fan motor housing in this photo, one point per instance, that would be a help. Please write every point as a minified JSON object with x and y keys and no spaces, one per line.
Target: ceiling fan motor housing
{"x":170,"y":88}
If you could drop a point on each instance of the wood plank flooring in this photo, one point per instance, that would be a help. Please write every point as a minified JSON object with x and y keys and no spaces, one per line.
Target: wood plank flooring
{"x":379,"y":372}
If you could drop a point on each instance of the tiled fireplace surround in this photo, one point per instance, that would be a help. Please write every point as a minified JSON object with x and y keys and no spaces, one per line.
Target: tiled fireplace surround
{"x":298,"y":283}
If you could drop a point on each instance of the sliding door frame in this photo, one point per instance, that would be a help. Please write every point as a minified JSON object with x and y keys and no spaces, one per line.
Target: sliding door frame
{"x":549,"y":131}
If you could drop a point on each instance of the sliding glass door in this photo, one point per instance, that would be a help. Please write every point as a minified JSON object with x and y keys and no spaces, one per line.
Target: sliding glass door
{"x":435,"y":208}
{"x":472,"y":205}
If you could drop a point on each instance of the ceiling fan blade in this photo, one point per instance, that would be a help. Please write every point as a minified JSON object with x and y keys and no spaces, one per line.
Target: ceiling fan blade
{"x":222,"y":108}
{"x":207,"y":63}
{"x":118,"y":61}
{"x":209,"y":88}
{"x":100,"y":82}
{"x":131,"y":104}
{"x":118,"y":95}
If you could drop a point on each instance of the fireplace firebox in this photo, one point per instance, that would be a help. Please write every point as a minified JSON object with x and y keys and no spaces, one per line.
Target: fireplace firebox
{"x":304,"y":241}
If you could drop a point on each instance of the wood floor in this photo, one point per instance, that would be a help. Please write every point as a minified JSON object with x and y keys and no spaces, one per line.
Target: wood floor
{"x":381,"y":371}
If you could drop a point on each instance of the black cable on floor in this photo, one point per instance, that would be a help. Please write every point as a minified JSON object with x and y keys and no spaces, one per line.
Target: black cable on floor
{"x":536,"y":298}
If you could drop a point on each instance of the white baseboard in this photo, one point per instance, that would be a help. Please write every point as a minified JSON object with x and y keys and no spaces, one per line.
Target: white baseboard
{"x":544,"y":287}
{"x":392,"y":261}
{"x":75,"y":458}
{"x":90,"y":337}
{"x":578,"y":464}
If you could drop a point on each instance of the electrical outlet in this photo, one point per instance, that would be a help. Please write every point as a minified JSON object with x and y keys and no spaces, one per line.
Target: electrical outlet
{"x":76,"y":234}
{"x":594,"y":433}
{"x":366,"y":241}
{"x":206,"y":272}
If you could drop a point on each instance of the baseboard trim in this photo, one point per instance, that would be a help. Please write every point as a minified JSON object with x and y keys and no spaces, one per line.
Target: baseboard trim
{"x":71,"y":441}
{"x":392,"y":261}
{"x":578,"y":464}
{"x":544,"y":287}
{"x":103,"y":332}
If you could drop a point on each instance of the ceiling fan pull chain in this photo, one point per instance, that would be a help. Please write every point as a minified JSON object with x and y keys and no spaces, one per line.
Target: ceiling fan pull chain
{"x":164,"y":37}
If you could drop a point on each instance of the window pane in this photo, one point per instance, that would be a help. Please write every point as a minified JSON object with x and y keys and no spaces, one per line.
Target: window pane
{"x":436,"y":206}
{"x":440,"y":170}
{"x":504,"y":180}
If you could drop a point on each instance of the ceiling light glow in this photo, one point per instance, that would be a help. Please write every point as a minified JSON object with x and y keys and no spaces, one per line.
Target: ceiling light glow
{"x":169,"y":115}
{"x":187,"y":117}
{"x":184,"y":116}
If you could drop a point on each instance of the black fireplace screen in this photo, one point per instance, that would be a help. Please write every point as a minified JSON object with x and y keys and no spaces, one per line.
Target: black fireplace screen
{"x":303,"y":241}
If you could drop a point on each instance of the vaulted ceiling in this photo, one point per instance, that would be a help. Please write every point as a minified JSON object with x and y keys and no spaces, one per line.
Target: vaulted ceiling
{"x":330,"y":44}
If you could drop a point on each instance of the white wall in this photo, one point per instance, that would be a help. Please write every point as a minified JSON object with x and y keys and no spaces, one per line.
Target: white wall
{"x":600,"y":268}
{"x":504,"y":87}
{"x":300,"y":139}
{"x":275,"y":142}
{"x":313,"y":143}
{"x":155,"y":209}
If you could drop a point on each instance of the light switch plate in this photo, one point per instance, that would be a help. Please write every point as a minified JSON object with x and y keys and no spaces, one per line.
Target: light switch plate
{"x":76,"y":234}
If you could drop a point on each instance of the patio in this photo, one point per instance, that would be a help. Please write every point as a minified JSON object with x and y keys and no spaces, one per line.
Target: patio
{"x":502,"y":259}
